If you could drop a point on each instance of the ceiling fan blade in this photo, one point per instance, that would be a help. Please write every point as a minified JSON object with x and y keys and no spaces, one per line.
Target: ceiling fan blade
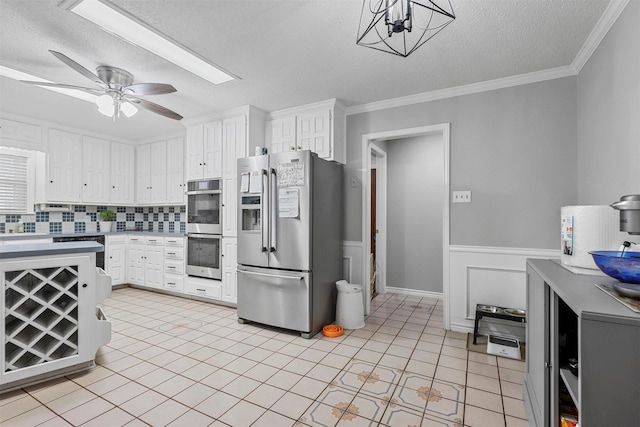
{"x":153,"y":107}
{"x":151,"y":88}
{"x":79,"y":68}
{"x":63,"y":86}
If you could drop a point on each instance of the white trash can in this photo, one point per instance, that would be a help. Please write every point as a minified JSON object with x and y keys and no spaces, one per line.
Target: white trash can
{"x":349,"y":307}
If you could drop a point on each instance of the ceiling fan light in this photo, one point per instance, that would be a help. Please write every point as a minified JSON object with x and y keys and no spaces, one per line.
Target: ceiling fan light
{"x":105,"y":105}
{"x":128,"y":109}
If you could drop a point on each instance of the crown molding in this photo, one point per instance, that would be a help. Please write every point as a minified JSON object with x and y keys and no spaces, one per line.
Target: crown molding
{"x":602,"y":27}
{"x":604,"y":24}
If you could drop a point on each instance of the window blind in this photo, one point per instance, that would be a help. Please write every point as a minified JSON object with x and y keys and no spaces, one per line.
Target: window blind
{"x":13,"y":183}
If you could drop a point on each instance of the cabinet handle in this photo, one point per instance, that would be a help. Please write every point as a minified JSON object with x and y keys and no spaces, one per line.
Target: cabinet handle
{"x":201,"y":290}
{"x":51,"y":182}
{"x":85,"y":185}
{"x":293,"y":148}
{"x":299,"y":147}
{"x":171,"y":253}
{"x":548,"y":365}
{"x":171,"y":283}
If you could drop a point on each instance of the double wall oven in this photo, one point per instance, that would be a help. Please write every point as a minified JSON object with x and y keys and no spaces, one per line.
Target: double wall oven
{"x":204,"y":228}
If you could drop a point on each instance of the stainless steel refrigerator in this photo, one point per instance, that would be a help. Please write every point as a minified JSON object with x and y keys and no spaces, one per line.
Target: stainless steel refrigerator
{"x":289,"y":240}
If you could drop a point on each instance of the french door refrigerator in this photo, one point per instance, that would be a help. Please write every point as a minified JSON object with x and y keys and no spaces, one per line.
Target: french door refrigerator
{"x":289,"y":240}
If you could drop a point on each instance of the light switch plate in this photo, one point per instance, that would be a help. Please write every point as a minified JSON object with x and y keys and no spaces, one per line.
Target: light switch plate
{"x":461,"y":196}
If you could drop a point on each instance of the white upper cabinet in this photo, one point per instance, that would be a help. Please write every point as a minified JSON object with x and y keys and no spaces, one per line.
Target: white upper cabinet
{"x":122,"y":173}
{"x":234,"y":137}
{"x":204,"y":151}
{"x":96,"y":172}
{"x":283,"y":134}
{"x":64,"y":169}
{"x":143,"y":174}
{"x":175,"y":171}
{"x":158,"y":181}
{"x":317,"y":127}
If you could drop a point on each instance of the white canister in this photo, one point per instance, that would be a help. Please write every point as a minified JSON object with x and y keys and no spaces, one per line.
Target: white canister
{"x":585,"y":229}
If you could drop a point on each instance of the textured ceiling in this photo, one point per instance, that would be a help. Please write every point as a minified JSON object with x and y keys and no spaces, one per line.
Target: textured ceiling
{"x":286,"y":53}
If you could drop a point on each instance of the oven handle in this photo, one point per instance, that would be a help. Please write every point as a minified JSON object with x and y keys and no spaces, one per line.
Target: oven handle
{"x":205,"y":236}
{"x":273,"y":211}
{"x":199,"y":192}
{"x":271,"y":275}
{"x":263,"y":228}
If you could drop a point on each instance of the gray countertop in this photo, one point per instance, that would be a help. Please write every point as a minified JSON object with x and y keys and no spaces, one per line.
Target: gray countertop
{"x":17,"y":236}
{"x":44,"y":249}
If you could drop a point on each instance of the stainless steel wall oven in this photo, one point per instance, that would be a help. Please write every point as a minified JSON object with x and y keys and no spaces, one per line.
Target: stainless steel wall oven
{"x":204,"y":255}
{"x":204,"y":206}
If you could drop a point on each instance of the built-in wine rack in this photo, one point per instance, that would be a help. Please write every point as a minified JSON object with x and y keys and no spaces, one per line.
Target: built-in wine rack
{"x":41,"y":316}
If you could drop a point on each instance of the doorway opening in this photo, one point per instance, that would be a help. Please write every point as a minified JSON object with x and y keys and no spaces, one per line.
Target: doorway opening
{"x":374,"y":225}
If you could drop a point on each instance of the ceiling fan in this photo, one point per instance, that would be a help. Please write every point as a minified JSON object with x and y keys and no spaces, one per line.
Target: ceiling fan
{"x":116,"y":91}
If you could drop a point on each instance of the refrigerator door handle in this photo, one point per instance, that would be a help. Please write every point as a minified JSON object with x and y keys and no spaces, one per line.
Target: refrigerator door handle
{"x":263,"y":228}
{"x":271,"y":275}
{"x":273,"y":211}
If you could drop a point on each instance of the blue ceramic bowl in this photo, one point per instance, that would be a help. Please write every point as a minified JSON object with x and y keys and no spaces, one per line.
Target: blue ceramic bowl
{"x":624,"y":266}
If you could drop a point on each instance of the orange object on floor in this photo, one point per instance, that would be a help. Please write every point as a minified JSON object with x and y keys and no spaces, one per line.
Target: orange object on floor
{"x":332,"y":331}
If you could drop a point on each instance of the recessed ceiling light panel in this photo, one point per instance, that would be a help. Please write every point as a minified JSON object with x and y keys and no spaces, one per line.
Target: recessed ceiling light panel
{"x":120,"y":23}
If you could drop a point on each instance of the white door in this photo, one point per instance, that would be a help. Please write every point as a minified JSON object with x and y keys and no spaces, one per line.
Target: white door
{"x":229,"y":269}
{"x":175,"y":171}
{"x":158,"y":179}
{"x":143,"y":174}
{"x":122,"y":173}
{"x":135,"y":264}
{"x":154,"y":266}
{"x":194,"y":147}
{"x":96,"y":174}
{"x":234,"y":136}
{"x":212,"y":150}
{"x":283,"y":134}
{"x":64,"y":172}
{"x":314,"y":132}
{"x":115,"y":263}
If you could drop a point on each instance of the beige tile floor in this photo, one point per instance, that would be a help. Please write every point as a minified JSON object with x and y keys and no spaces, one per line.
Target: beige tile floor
{"x":178,"y":362}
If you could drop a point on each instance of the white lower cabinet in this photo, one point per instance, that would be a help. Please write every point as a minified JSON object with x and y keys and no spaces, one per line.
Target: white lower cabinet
{"x":229,"y":269}
{"x":145,"y":261}
{"x":203,"y":287}
{"x":116,"y":258}
{"x":174,"y":263}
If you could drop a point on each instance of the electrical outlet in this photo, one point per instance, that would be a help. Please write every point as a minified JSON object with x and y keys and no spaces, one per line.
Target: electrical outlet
{"x":461,"y":196}
{"x":354,"y":182}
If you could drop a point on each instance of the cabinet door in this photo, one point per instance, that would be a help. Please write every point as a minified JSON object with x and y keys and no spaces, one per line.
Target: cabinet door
{"x":234,"y":138}
{"x":96,"y":173}
{"x":158,"y":179}
{"x":212,"y":150}
{"x":122,"y":173}
{"x":538,"y":360}
{"x":143,"y":174}
{"x":65,"y":167}
{"x":229,"y":269}
{"x":194,"y":150}
{"x":154,"y":266}
{"x":175,"y":171}
{"x":115,"y":263}
{"x":135,"y":264}
{"x":283,"y":135}
{"x":314,"y":132}
{"x":229,"y":207}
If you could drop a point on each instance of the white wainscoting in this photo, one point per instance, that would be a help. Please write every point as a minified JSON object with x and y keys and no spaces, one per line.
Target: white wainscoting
{"x":488,"y":275}
{"x":352,"y":261}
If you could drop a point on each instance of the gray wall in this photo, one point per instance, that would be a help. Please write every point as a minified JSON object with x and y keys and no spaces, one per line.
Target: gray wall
{"x":414,"y":213}
{"x":515,"y":148}
{"x":609,"y":114}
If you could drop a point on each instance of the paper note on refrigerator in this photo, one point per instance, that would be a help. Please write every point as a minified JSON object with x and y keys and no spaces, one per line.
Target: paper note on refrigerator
{"x":255,"y":183}
{"x":244,"y":182}
{"x":288,"y":202}
{"x":290,"y":174}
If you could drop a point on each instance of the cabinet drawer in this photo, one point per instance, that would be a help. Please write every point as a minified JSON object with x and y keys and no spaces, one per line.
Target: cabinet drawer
{"x":173,"y":253}
{"x":173,"y":282}
{"x":174,"y":241}
{"x":135,"y":240}
{"x":203,"y":287}
{"x":156,"y":241}
{"x":116,"y":240}
{"x":173,"y":267}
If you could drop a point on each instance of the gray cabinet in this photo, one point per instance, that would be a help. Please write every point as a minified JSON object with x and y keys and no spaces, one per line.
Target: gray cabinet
{"x":568,"y":315}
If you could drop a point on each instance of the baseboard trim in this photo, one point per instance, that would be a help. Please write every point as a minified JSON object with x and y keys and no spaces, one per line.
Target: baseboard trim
{"x":414,"y":292}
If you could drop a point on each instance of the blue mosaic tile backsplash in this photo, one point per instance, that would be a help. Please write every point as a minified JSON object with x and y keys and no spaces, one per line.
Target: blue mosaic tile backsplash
{"x":84,"y":219}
